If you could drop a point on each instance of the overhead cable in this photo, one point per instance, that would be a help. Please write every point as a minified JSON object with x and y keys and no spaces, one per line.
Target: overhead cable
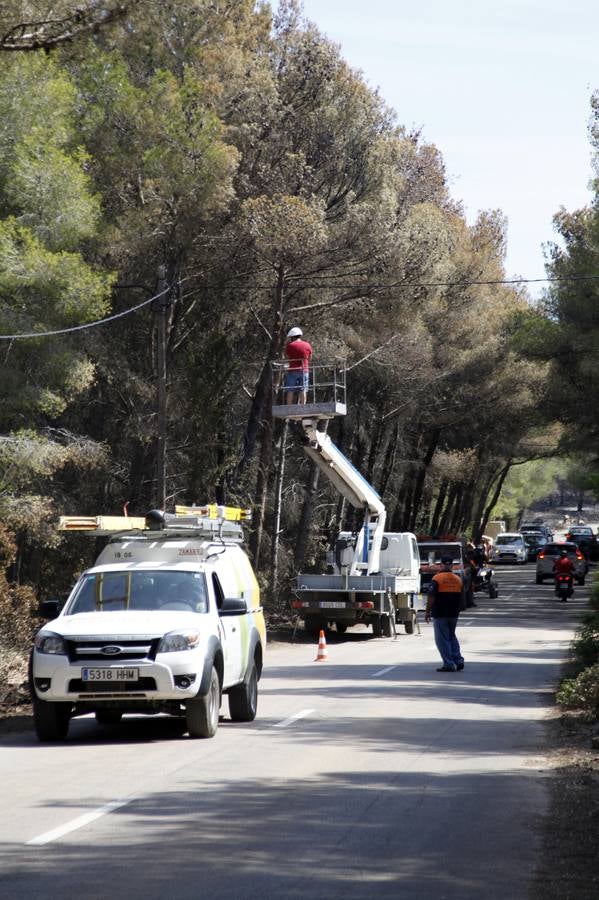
{"x":313,"y":283}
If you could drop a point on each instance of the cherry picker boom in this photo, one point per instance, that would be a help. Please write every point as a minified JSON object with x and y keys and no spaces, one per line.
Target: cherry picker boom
{"x":373,"y":575}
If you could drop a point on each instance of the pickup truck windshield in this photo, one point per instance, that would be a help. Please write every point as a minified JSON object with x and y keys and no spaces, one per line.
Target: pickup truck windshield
{"x":432,"y":553}
{"x":147,"y":590}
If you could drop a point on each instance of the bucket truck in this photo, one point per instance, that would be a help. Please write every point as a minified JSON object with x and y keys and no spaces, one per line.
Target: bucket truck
{"x":373,"y":576}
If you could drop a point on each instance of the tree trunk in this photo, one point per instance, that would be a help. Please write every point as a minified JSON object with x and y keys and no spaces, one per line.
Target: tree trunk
{"x":276,"y":529}
{"x":457,"y":510}
{"x":306,"y":517}
{"x":480,"y":507}
{"x":419,"y":483}
{"x":498,"y":486}
{"x":377,"y":434}
{"x":389,"y":461}
{"x":438,"y":506}
{"x":263,"y":393}
{"x":465,"y":519}
{"x":449,"y":506}
{"x":262,"y":481}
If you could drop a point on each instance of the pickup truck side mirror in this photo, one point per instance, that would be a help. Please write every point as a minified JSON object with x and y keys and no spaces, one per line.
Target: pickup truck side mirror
{"x":49,"y":609}
{"x":233,"y":606}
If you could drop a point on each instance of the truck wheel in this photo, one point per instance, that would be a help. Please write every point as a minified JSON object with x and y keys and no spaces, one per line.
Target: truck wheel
{"x":377,"y":627}
{"x":243,"y":699}
{"x":201,"y":713}
{"x":51,"y":720}
{"x":409,"y":626}
{"x":312,"y":625}
{"x":386,"y":627}
{"x":108,"y":716}
{"x":341,"y":627}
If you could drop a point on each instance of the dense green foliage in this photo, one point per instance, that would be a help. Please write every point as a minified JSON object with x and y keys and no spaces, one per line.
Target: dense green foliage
{"x":582,"y":690}
{"x":235,"y":147}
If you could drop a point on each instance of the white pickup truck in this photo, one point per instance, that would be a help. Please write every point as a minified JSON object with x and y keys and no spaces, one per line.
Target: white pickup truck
{"x":166,"y":621}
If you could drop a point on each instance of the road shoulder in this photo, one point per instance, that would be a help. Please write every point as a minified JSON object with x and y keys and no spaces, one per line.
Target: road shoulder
{"x":568,"y":867}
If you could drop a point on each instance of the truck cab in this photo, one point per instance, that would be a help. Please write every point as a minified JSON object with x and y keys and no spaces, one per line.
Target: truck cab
{"x":430,"y":563}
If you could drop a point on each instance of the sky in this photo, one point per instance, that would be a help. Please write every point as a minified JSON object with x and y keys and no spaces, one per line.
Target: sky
{"x":501,"y":87}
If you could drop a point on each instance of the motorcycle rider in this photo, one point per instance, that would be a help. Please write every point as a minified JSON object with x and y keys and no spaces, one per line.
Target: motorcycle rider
{"x":564,"y":566}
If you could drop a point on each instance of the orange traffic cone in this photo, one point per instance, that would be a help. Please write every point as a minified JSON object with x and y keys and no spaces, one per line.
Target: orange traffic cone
{"x":322,"y":655}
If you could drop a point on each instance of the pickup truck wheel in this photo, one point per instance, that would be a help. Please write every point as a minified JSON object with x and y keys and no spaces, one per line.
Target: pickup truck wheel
{"x":51,"y":720}
{"x":377,"y":627}
{"x":243,"y":699}
{"x":201,"y":713}
{"x":108,"y":716}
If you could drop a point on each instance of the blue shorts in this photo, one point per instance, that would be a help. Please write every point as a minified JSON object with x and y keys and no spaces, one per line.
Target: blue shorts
{"x":298,"y":380}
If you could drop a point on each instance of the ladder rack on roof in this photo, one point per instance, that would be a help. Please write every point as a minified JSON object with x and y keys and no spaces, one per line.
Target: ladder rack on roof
{"x":210,"y":522}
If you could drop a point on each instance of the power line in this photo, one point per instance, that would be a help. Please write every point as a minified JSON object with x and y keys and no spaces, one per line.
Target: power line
{"x":306,"y":283}
{"x":126,"y":312}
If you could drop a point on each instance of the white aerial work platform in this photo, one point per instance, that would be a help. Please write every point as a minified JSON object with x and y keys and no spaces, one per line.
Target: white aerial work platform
{"x":375,"y":574}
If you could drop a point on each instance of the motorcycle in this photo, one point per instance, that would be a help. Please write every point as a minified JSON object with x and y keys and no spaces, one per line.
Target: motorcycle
{"x":483,"y":581}
{"x":564,"y":586}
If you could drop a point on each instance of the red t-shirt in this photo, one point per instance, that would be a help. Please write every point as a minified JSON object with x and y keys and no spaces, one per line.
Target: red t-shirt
{"x":298,"y":353}
{"x":563,"y":566}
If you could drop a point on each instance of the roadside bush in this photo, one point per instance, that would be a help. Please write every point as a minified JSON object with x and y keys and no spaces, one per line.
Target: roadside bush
{"x":586,"y":645}
{"x":17,"y":616}
{"x":581,"y":692}
{"x":17,"y":602}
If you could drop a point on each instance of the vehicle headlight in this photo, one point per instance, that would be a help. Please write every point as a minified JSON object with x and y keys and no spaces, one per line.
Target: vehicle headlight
{"x":176,"y":641}
{"x":48,"y":642}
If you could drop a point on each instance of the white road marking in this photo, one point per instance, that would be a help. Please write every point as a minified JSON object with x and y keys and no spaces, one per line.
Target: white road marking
{"x":298,"y":715}
{"x":79,"y":822}
{"x":383,"y":671}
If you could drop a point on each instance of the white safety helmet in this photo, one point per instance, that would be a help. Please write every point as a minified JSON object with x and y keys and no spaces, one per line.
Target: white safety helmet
{"x":294,"y":332}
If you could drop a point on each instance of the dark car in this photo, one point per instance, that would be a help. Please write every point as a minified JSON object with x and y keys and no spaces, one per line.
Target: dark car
{"x":584,"y":536}
{"x":430,"y":563}
{"x":536,"y":528}
{"x":534,"y":541}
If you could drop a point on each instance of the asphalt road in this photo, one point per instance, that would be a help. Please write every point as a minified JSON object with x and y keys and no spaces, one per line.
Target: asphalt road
{"x":368,"y":775}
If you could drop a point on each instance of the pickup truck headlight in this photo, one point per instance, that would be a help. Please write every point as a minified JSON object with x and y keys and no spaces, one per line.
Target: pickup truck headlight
{"x":176,"y":641}
{"x":48,"y":642}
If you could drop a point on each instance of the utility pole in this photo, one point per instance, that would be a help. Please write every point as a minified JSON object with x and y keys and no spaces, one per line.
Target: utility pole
{"x":161,"y":310}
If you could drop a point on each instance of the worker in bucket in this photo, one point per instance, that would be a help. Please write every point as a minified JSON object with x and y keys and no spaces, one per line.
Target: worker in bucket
{"x":299,"y":354}
{"x":443,"y":606}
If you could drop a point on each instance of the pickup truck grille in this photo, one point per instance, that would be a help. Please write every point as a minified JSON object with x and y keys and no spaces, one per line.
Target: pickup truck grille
{"x":120,"y":650}
{"x":77,"y":686}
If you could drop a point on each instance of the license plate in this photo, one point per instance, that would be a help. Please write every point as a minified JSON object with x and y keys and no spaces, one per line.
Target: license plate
{"x":329,"y":604}
{"x":112,"y":674}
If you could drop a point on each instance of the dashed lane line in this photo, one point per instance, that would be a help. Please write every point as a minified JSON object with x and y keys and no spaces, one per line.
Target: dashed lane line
{"x":48,"y":836}
{"x":294,"y":718}
{"x":383,"y":671}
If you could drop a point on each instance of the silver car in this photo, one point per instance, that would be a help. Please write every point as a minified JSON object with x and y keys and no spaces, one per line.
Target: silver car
{"x":509,"y":547}
{"x":551,"y":552}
